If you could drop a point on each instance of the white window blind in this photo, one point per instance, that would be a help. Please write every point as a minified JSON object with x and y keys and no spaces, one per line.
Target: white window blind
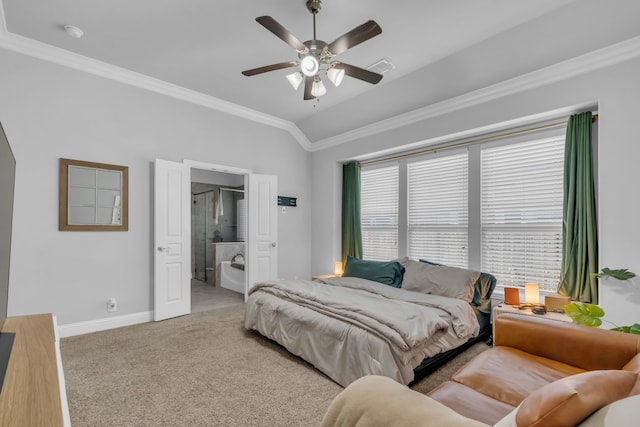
{"x":437,"y":209}
{"x":521,"y":205}
{"x":379,"y":212}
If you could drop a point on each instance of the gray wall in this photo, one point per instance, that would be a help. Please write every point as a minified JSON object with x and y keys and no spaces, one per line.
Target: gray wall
{"x":50,"y":111}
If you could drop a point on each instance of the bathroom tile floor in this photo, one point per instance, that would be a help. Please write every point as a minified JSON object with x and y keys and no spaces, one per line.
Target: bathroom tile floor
{"x":208,"y":297}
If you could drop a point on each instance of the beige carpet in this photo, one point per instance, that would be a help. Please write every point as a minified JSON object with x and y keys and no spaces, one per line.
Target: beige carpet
{"x":203,"y":369}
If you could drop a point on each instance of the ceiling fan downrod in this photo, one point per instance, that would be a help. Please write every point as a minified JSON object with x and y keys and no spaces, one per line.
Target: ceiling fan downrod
{"x":314,"y":7}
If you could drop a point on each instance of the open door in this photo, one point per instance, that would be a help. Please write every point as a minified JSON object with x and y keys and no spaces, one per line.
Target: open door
{"x":262,"y":227}
{"x":172,"y":240}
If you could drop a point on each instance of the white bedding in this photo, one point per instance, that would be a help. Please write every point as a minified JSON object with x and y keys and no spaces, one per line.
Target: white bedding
{"x":350,"y":327}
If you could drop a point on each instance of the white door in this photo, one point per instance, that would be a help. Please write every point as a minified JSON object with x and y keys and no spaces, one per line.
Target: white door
{"x":262,"y":259}
{"x":172,"y":240}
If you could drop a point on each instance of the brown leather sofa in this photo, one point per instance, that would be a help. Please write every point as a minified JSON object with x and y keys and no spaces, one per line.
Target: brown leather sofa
{"x":528,"y":353}
{"x":545,"y":372}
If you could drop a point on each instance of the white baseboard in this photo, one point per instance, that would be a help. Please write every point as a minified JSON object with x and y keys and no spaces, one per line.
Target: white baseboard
{"x":80,"y":328}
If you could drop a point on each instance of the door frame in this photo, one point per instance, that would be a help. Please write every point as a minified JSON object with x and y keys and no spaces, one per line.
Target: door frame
{"x":190,"y":165}
{"x":194,"y":164}
{"x":216,"y":168}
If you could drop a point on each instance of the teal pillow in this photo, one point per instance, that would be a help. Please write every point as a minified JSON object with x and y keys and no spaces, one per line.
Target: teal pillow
{"x":484,"y":287}
{"x":389,"y":273}
{"x":482,"y":290}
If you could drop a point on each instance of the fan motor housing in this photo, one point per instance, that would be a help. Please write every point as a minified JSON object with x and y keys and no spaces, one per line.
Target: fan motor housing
{"x":316,"y":48}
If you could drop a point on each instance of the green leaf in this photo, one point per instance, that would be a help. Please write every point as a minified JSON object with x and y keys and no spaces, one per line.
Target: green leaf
{"x":633,"y":329}
{"x":620,"y":274}
{"x":625,"y":329}
{"x":585,"y":314}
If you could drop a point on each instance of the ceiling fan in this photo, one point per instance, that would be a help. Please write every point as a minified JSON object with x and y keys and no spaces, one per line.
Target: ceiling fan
{"x":316,"y":56}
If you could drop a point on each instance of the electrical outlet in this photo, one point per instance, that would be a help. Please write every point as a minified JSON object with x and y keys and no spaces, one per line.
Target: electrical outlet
{"x":112,"y":305}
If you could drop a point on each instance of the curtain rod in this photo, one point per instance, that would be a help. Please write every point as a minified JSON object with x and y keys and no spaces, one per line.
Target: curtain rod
{"x":219,"y":188}
{"x":231,"y":189}
{"x":464,"y":143}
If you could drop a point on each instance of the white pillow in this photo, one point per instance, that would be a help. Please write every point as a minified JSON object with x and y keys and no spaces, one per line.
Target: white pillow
{"x":620,"y":413}
{"x":452,"y":282}
{"x":509,"y":420}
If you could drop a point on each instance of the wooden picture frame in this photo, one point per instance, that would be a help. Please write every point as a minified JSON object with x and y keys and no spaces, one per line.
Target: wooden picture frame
{"x":93,"y":196}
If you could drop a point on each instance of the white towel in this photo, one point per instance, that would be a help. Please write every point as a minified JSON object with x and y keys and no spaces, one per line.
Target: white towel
{"x":218,"y":209}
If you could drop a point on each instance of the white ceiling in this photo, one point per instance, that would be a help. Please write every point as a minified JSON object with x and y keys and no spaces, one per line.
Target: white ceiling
{"x":204,"y":45}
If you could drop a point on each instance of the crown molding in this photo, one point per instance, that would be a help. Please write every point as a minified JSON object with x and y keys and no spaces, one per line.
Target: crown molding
{"x":582,"y":64}
{"x":601,"y":58}
{"x":69,"y":59}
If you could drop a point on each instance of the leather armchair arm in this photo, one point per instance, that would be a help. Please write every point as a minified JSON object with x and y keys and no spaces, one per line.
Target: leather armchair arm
{"x":570,"y":343}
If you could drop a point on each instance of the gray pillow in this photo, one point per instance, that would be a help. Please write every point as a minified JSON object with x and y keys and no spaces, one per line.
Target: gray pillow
{"x":452,"y":282}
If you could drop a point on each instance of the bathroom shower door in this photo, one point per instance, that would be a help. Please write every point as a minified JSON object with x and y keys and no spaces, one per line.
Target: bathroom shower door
{"x":199,"y":238}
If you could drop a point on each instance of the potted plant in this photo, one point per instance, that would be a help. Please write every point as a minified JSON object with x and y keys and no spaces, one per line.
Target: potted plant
{"x":592,"y":314}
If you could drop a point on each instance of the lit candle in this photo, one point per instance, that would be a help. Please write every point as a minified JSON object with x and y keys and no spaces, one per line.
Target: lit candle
{"x":337,"y":269}
{"x":531,"y":293}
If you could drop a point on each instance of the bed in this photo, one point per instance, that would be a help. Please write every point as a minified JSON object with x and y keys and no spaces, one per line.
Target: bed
{"x":400,"y":319}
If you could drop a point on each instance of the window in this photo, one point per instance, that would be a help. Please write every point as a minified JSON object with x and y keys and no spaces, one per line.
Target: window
{"x":495,"y":206}
{"x":522,"y":192}
{"x":437,"y":209}
{"x":379,"y":212}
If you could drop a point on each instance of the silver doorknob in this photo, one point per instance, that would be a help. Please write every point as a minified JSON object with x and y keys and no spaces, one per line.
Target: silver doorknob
{"x":163,"y":248}
{"x":273,"y":244}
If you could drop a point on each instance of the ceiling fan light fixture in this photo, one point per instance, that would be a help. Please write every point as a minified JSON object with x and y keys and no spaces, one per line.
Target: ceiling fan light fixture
{"x":335,"y":75}
{"x":315,"y":55}
{"x":318,"y":89}
{"x":295,"y":79}
{"x":309,"y":66}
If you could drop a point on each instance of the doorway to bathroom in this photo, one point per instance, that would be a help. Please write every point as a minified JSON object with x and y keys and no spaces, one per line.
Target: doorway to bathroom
{"x":172,"y":232}
{"x":218,"y":234}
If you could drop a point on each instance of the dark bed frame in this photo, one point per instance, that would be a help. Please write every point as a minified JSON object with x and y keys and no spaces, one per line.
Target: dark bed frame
{"x":430,"y":364}
{"x":484,"y":287}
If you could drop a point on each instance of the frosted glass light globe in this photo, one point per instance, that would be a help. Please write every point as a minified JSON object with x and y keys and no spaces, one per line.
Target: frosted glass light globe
{"x":309,"y":66}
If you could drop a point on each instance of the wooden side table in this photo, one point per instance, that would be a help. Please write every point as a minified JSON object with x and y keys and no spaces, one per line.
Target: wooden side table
{"x":33,"y":393}
{"x":506,"y":308}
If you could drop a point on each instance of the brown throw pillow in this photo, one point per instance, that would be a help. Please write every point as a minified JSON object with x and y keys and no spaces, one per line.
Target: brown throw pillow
{"x":568,"y":401}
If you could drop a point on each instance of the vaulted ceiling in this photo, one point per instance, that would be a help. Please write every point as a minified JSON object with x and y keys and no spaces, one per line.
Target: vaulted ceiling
{"x":439,"y":48}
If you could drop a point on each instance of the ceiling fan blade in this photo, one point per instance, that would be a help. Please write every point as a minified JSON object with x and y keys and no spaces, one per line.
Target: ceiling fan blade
{"x":271,"y":67}
{"x":282,"y":33}
{"x":354,"y":37}
{"x":359,"y":73}
{"x":308,"y":84}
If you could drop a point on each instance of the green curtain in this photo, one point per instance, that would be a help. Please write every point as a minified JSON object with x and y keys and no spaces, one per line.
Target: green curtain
{"x":579,"y":227}
{"x":351,"y":229}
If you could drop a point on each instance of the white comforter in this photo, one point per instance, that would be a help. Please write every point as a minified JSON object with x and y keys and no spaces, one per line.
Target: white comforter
{"x":350,"y":327}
